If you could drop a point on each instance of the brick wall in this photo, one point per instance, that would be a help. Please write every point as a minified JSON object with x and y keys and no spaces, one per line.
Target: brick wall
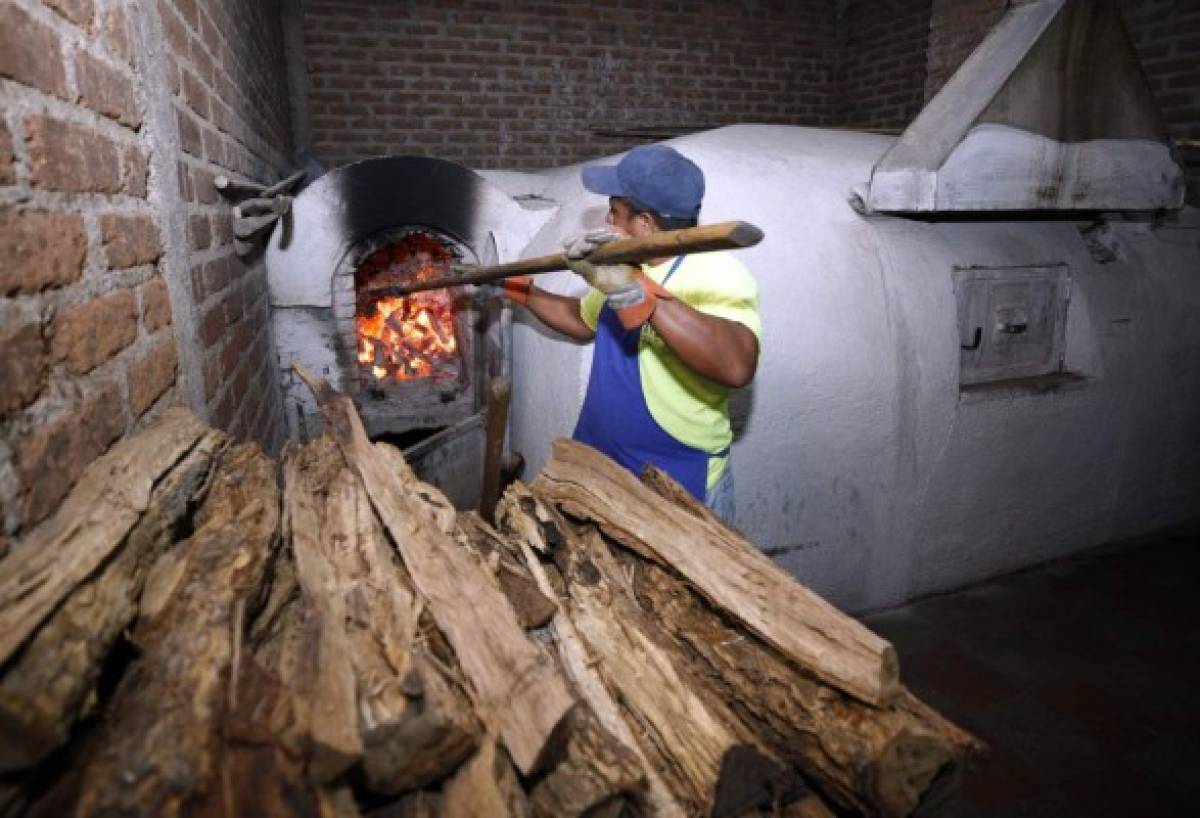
{"x":98,"y":169}
{"x":501,"y":83}
{"x":881,"y":70}
{"x":228,"y":102}
{"x":1165,"y":33}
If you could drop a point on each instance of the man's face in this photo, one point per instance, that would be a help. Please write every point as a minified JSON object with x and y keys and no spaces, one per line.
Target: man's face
{"x":627,"y":222}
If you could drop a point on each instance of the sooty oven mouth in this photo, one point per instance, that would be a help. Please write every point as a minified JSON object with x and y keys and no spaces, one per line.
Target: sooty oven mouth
{"x":414,"y":356}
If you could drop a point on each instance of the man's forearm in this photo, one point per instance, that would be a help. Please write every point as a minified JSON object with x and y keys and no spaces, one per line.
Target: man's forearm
{"x":721,"y":350}
{"x":559,"y":312}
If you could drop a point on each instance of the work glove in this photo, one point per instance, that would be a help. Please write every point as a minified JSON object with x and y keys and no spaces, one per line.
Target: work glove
{"x":631,"y":295}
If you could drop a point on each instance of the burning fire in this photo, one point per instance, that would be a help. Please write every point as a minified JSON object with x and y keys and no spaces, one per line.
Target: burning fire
{"x":410,"y":337}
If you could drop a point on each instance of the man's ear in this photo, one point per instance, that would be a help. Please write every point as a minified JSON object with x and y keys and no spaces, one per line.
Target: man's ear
{"x":646,"y":224}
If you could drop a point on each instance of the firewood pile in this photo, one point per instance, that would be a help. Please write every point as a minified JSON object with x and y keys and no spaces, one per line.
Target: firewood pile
{"x":193,"y":635}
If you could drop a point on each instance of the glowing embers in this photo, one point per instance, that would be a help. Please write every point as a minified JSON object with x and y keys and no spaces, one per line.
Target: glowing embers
{"x":408,"y":338}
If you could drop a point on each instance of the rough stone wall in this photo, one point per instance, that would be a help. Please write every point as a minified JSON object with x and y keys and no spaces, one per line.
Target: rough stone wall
{"x":520,"y":85}
{"x":1165,"y":33}
{"x":881,"y":71}
{"x":100,"y":177}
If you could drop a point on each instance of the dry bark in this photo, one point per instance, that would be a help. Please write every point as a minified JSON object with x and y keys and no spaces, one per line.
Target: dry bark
{"x":712,"y":764}
{"x":160,"y":747}
{"x":486,"y":786}
{"x":103,"y":507}
{"x":50,"y":683}
{"x":533,"y":608}
{"x":416,"y":723}
{"x":727,"y":570}
{"x":516,"y":692}
{"x":888,"y":761}
{"x":538,"y":530}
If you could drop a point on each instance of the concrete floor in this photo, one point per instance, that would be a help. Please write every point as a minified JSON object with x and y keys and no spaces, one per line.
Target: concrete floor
{"x":1083,"y":676}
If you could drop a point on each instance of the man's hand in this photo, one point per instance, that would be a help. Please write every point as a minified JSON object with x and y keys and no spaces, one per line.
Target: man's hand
{"x":630,"y":294}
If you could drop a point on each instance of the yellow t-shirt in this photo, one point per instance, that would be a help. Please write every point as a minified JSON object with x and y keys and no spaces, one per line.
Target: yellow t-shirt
{"x":688,"y":406}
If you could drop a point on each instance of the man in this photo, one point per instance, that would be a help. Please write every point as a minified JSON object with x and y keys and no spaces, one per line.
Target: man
{"x":672,"y":338}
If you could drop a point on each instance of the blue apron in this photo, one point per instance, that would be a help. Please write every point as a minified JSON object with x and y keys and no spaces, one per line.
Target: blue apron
{"x":615,"y":418}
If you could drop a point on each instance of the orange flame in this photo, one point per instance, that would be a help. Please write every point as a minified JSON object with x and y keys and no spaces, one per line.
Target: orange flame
{"x":410,"y":337}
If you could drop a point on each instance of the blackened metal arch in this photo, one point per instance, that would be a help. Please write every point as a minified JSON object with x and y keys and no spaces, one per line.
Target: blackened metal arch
{"x":354,"y":202}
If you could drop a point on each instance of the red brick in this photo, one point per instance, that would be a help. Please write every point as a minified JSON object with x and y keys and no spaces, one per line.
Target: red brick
{"x":156,"y":304}
{"x":213,"y":325}
{"x":71,"y":157}
{"x":199,"y":232}
{"x":222,"y":225}
{"x":129,"y":240}
{"x":30,"y":52}
{"x":91,"y":333}
{"x":53,"y":455}
{"x":206,"y":191}
{"x":135,"y":172}
{"x":195,"y":94}
{"x":106,"y":90}
{"x":151,"y":374}
{"x":116,"y":33}
{"x":23,"y":365}
{"x":189,"y":134}
{"x":187,"y":10}
{"x":8,"y":171}
{"x":212,"y":377}
{"x":40,"y":250}
{"x":174,"y":29}
{"x":79,"y":12}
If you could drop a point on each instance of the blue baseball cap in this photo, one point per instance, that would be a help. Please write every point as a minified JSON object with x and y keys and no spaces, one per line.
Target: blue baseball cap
{"x":655,"y":177}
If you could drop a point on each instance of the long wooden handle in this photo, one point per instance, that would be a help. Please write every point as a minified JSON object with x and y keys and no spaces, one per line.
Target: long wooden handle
{"x":664,"y":244}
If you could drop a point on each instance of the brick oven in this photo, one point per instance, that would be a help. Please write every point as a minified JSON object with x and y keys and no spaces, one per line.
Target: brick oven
{"x":417,"y":366}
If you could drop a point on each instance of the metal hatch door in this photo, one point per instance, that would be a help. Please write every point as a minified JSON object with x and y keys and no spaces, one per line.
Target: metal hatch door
{"x":1012,"y":321}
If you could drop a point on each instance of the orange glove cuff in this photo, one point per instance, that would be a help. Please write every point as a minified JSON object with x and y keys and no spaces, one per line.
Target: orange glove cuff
{"x":517,"y":288}
{"x":633,"y":317}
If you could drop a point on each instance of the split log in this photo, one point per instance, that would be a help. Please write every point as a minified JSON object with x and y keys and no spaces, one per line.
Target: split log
{"x":537,"y":529}
{"x":333,"y":722}
{"x":533,"y":608}
{"x":727,"y":570}
{"x":594,"y":768}
{"x":275,"y":206}
{"x":107,"y":502}
{"x":517,"y":693}
{"x":50,"y":683}
{"x":250,"y":228}
{"x":486,"y":786}
{"x":890,"y":761}
{"x":419,"y":804}
{"x":160,"y":745}
{"x":415,"y":722}
{"x":709,"y":761}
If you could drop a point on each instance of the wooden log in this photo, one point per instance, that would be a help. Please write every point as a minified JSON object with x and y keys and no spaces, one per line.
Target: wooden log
{"x":160,"y":744}
{"x":333,"y":723}
{"x":726,"y":569}
{"x":231,"y":188}
{"x":593,"y":768}
{"x":415,"y":722}
{"x":533,"y":608}
{"x":249,"y":228}
{"x":516,"y":692}
{"x":495,"y":428}
{"x":50,"y":683}
{"x":486,"y":786}
{"x":419,"y":804}
{"x":889,"y":761}
{"x":103,"y":507}
{"x":711,"y":762}
{"x":539,"y":530}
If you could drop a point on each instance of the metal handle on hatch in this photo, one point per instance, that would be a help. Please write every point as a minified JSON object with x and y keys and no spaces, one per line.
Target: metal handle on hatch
{"x":978,"y":338}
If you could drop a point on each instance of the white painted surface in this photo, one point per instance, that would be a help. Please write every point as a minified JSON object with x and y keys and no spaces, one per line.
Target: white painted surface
{"x":858,"y":461}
